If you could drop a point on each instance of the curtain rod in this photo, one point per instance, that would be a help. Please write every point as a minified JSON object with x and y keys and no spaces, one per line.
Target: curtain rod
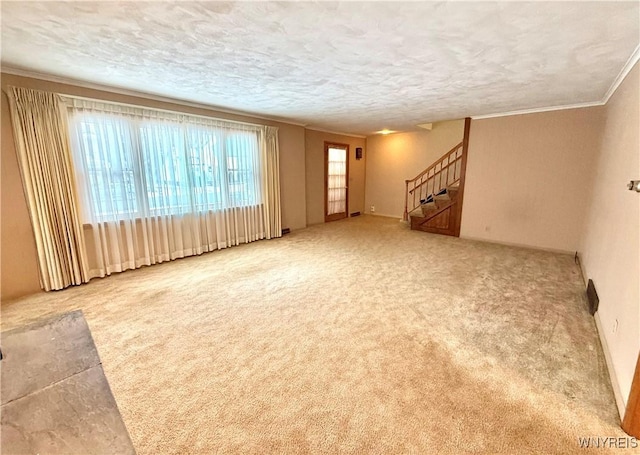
{"x":170,"y":111}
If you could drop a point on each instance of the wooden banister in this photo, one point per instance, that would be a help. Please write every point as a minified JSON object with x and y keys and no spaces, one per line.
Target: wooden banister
{"x":435,"y":163}
{"x":434,"y":179}
{"x":453,"y":163}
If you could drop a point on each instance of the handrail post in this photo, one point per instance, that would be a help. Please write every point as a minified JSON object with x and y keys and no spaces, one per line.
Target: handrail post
{"x":463,"y":173}
{"x":405,"y":215}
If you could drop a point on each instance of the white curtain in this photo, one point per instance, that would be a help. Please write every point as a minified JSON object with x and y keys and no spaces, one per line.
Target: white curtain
{"x":158,"y":185}
{"x":337,"y":181}
{"x":271,"y":182}
{"x":41,"y":138}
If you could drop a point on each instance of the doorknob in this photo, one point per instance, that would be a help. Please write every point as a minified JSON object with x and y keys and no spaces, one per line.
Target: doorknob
{"x":634,"y":185}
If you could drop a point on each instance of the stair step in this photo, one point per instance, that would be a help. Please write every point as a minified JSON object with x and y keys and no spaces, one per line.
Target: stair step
{"x":442,"y":195}
{"x":416,"y":212}
{"x":428,"y":208}
{"x":434,"y":202}
{"x":427,"y":199}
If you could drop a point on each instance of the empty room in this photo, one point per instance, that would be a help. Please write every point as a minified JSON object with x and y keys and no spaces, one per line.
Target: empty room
{"x":320,"y":227}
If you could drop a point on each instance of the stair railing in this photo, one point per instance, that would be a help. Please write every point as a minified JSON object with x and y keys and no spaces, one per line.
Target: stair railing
{"x":444,"y":172}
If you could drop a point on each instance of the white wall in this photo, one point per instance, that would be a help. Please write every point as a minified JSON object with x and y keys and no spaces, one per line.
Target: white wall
{"x":610,"y":245}
{"x":527,"y":176}
{"x":394,"y":158}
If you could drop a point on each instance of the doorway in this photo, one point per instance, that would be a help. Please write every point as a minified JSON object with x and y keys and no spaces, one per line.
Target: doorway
{"x":336,"y":178}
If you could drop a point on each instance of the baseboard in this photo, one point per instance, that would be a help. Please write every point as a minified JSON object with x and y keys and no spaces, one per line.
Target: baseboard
{"x":620,"y":399}
{"x":585,"y":278}
{"x":384,"y":215}
{"x":519,"y":245}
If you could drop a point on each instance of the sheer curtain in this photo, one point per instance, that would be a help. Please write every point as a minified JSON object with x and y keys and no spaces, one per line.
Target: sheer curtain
{"x":158,"y":186}
{"x":42,"y":145}
{"x":337,"y":181}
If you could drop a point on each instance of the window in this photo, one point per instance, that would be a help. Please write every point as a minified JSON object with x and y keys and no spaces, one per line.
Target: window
{"x":133,"y":165}
{"x":108,"y":166}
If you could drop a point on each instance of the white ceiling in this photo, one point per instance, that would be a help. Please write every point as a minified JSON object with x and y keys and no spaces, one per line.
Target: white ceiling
{"x":354,"y":67}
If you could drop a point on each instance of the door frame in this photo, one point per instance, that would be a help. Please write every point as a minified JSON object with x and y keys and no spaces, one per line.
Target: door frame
{"x":631,"y":420}
{"x":328,"y":144}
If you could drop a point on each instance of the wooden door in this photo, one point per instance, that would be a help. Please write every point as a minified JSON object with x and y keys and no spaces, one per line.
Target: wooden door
{"x":631,"y":421}
{"x":336,"y":178}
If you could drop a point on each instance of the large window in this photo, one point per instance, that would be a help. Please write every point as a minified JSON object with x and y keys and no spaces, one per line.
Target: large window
{"x":134,"y":165}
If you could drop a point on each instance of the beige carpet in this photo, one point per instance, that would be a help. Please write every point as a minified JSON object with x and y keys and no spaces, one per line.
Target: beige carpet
{"x":358,"y":336}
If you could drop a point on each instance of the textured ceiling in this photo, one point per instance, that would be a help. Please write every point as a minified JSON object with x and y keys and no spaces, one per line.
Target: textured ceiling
{"x":355,"y":67}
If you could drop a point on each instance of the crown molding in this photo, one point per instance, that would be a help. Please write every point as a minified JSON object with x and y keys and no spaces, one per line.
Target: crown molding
{"x":127,"y":92}
{"x":539,"y":109}
{"x":339,"y":133}
{"x":626,"y":69}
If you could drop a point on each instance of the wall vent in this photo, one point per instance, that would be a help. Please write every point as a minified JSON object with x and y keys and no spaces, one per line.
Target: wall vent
{"x":355,"y":214}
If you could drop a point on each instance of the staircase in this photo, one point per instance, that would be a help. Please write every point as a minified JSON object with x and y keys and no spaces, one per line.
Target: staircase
{"x":433,"y":198}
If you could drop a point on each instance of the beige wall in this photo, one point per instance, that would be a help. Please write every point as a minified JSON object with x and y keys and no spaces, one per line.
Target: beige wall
{"x":17,"y":246}
{"x":394,"y":158}
{"x":527,"y":176}
{"x":292,"y":171}
{"x":314,"y":142}
{"x":610,"y":246}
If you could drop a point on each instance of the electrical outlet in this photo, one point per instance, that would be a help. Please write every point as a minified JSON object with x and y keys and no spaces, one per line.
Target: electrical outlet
{"x":373,"y":209}
{"x":615,"y":326}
